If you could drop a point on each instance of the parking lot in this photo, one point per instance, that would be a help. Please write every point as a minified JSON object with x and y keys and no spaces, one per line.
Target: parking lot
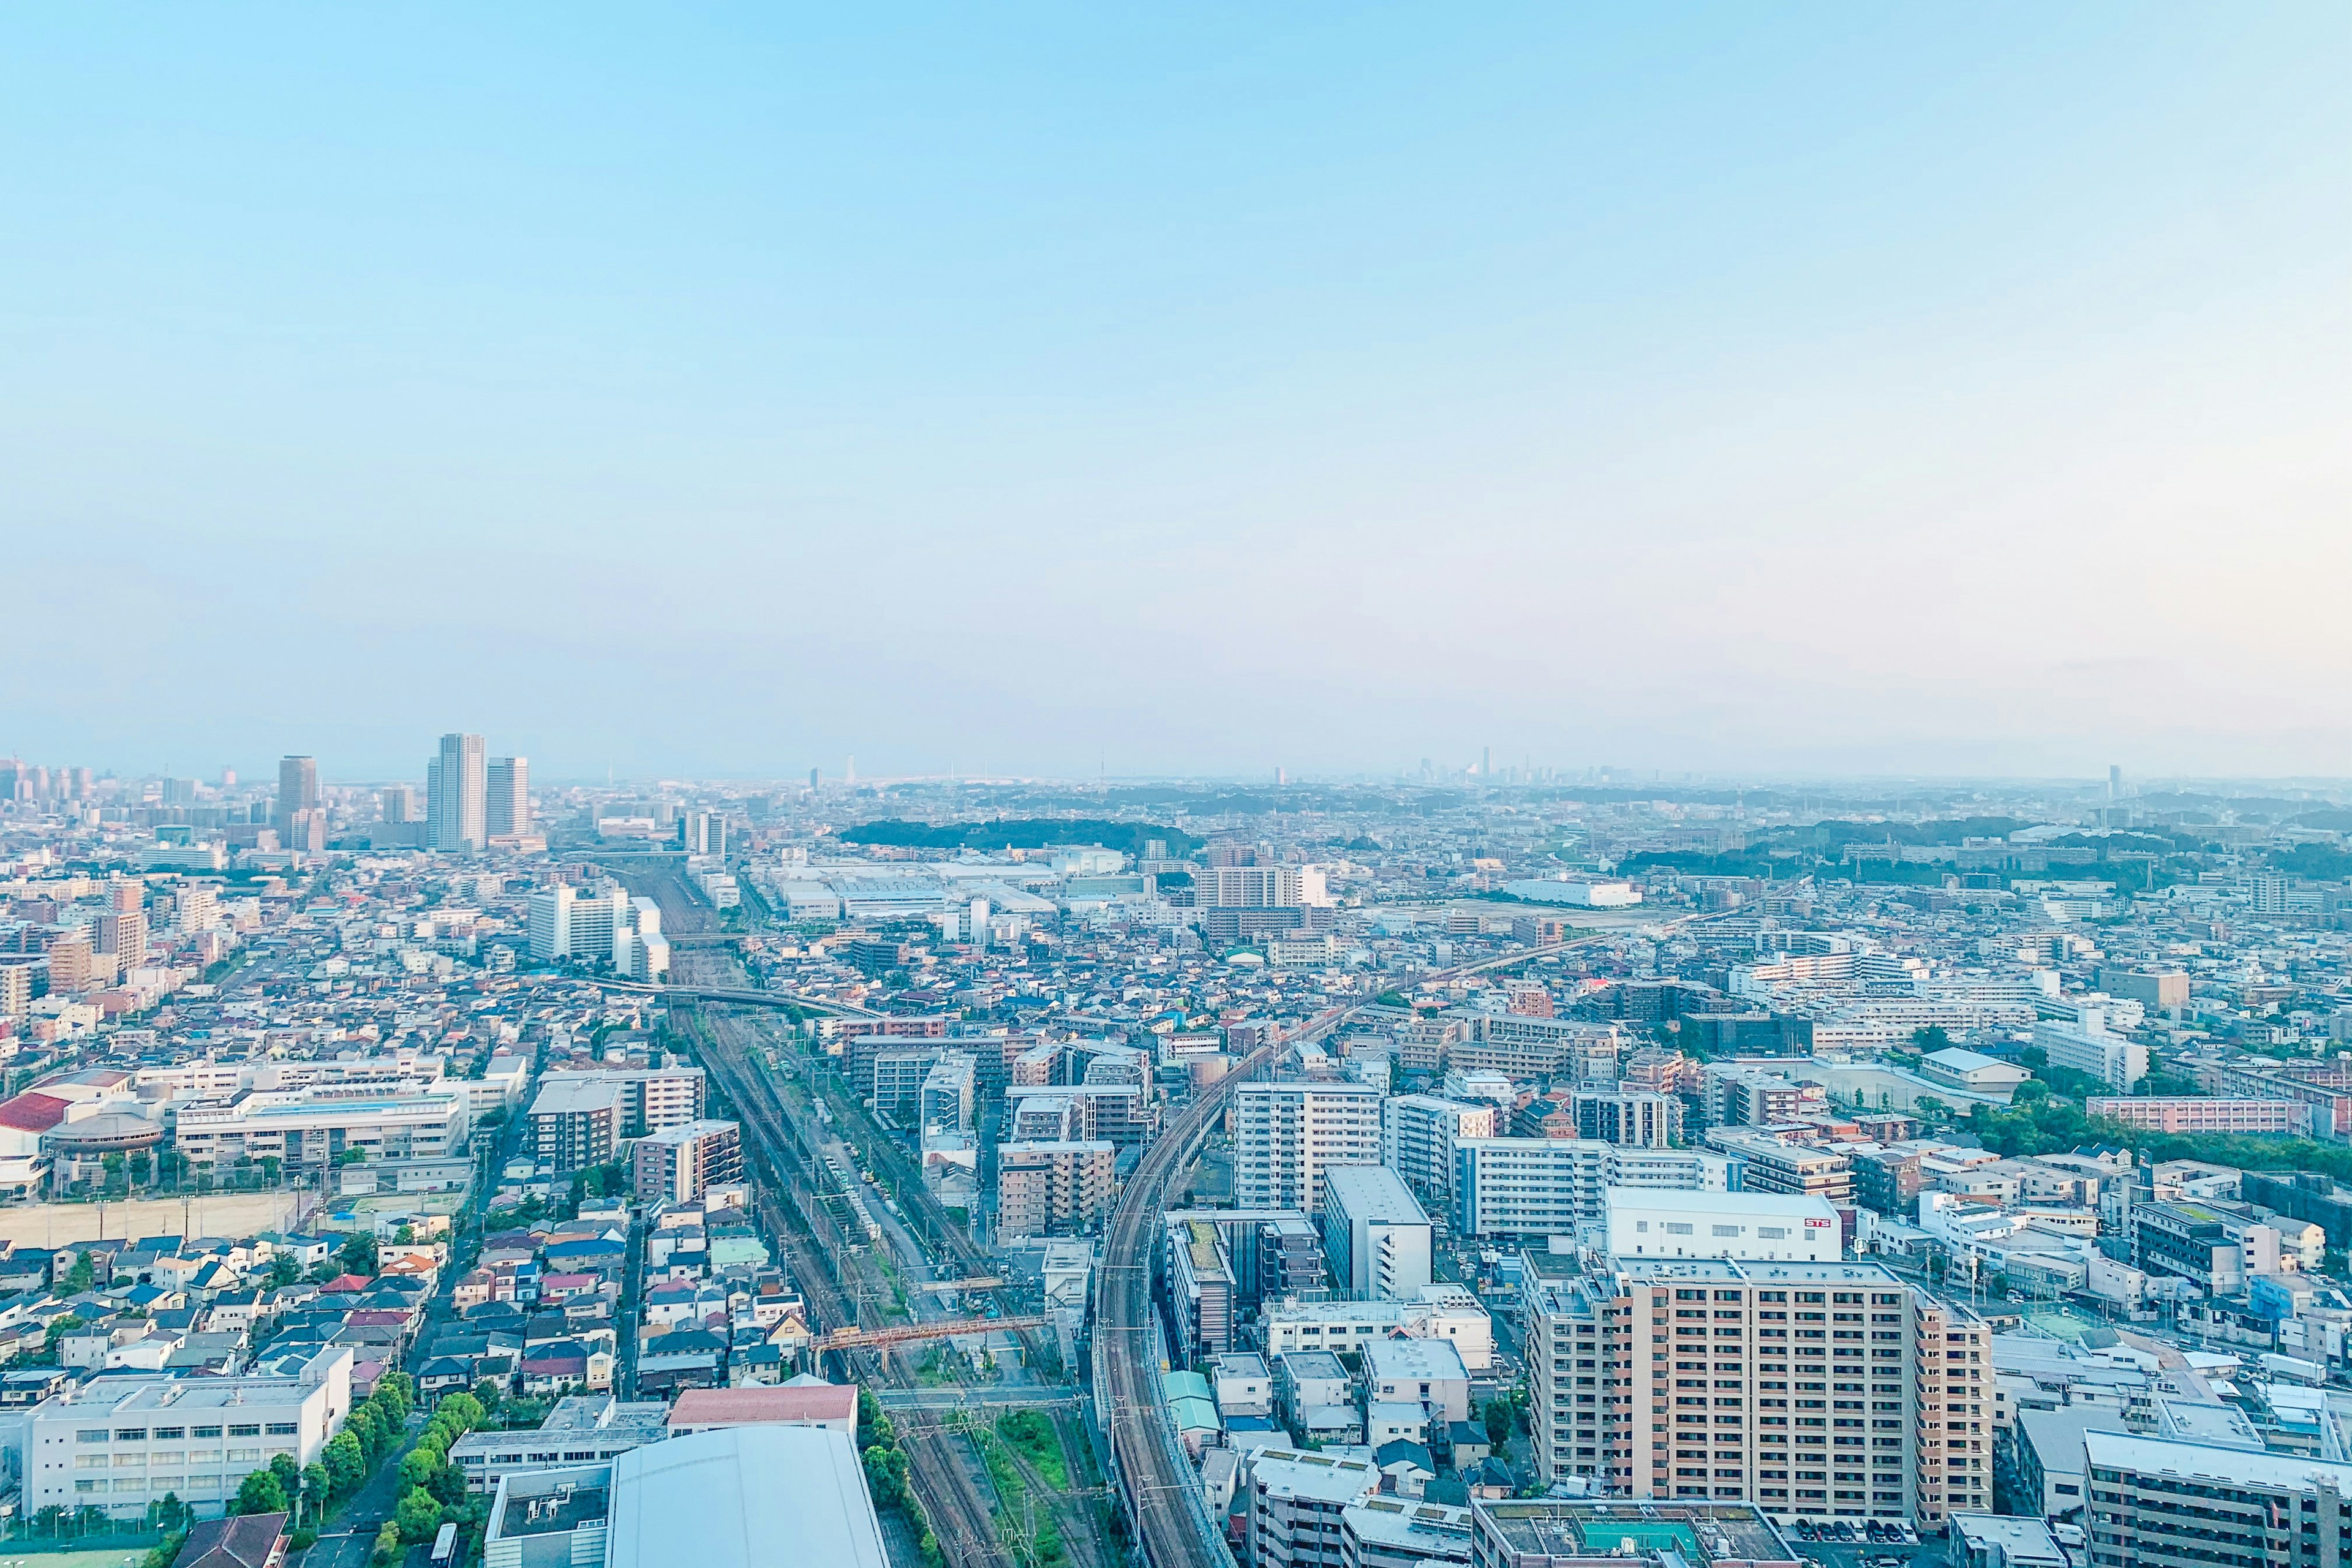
{"x":1864,"y":1554}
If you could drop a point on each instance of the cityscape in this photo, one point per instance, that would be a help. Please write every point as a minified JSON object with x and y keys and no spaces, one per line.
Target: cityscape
{"x":1176,"y":787}
{"x":1036,"y":1172}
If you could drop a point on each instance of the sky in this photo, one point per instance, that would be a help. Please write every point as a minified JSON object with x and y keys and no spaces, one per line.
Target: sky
{"x":1184,"y":390}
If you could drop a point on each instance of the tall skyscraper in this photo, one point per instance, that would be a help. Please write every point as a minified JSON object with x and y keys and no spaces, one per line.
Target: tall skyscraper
{"x":397,"y":802}
{"x":457,"y":795}
{"x":298,"y":790}
{"x":507,"y":813}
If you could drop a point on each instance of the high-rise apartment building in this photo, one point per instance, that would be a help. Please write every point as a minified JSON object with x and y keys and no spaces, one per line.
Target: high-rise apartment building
{"x":1287,"y":1133}
{"x":298,"y":790}
{"x":398,"y":803}
{"x":457,"y":795}
{"x":506,"y":810}
{"x":1802,"y":1388}
{"x":704,"y":832}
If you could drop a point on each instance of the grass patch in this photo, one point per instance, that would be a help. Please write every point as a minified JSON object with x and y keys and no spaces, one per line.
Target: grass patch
{"x":1023,"y":1517}
{"x":1031,"y":1435}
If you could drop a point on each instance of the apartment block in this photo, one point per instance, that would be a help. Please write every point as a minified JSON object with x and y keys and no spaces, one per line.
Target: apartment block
{"x":1791,"y":1386}
{"x":1418,"y":1134}
{"x":575,"y":1122}
{"x":676,"y":1164}
{"x":1286,"y":1134}
{"x":2154,"y":1502}
{"x":650,"y":1098}
{"x":1374,"y":1234}
{"x":1791,"y":1168}
{"x":1636,"y":1117}
{"x":1062,"y":1188}
{"x":1296,"y":1503}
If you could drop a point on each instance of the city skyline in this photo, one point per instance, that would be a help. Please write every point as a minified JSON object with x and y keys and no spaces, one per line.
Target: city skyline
{"x":1902,"y":394}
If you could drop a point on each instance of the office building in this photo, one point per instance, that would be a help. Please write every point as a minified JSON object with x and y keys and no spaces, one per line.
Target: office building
{"x":2088,"y":1046}
{"x":1375,"y":1236}
{"x":457,"y":796}
{"x":1059,"y":1188}
{"x":1550,"y":1187}
{"x":119,"y":1443}
{"x":1286,"y":1134}
{"x":1552,"y":1532}
{"x":580,"y":1428}
{"x":1418,"y":1133}
{"x":1646,"y":1223}
{"x":506,"y":799}
{"x":398,"y":803}
{"x":676,"y":1164}
{"x":298,"y":790}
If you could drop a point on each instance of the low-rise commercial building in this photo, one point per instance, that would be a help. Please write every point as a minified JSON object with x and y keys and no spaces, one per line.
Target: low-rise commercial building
{"x":119,"y":1443}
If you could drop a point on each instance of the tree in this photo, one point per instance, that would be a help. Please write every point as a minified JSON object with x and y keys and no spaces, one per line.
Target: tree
{"x":1498,"y":1424}
{"x":387,"y":1542}
{"x":468,"y":1412}
{"x":261,"y":1493}
{"x":2032,"y":1090}
{"x":318,"y":1484}
{"x":885,"y":1474}
{"x":418,"y":1515}
{"x":346,"y":1462}
{"x":420,"y":1465}
{"x":284,"y":1270}
{"x":358,"y":1254}
{"x":288,"y":1474}
{"x":141,"y":1163}
{"x":82,"y":1275}
{"x":1931,"y":1037}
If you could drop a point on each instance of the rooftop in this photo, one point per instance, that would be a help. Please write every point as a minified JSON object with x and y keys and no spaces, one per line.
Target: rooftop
{"x":2210,"y":1465}
{"x":735,"y":1498}
{"x":1698,"y":1532}
{"x":788,"y":1403}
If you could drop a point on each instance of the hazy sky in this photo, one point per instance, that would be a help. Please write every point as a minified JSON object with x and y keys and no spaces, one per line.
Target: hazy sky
{"x":1959,"y":389}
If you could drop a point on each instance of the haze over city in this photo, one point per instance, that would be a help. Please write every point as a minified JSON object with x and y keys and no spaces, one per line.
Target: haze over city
{"x":1955,"y":392}
{"x":1185,"y":787}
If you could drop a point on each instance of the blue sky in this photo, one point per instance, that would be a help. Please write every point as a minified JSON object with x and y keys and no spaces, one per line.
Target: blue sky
{"x":1955,"y":390}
